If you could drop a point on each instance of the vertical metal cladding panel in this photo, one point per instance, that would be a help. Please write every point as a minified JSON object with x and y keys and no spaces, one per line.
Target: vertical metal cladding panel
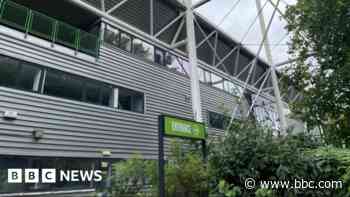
{"x":76,"y":129}
{"x":136,"y":13}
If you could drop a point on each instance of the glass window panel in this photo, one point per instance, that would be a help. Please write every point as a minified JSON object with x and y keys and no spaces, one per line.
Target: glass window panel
{"x":28,"y":77}
{"x":53,"y":83}
{"x":73,"y":87}
{"x":238,"y":90}
{"x":9,"y":69}
{"x":228,"y":86}
{"x":186,"y":66}
{"x":143,"y":49}
{"x":112,"y":35}
{"x":159,"y":56}
{"x":207,"y":76}
{"x":131,"y":100}
{"x":174,"y":63}
{"x":63,"y":85}
{"x":217,"y":120}
{"x":217,"y":82}
{"x":106,"y":96}
{"x":125,"y":42}
{"x":92,"y":92}
{"x":201,"y":75}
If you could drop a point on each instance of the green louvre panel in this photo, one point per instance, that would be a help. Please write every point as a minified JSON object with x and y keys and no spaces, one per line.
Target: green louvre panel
{"x":42,"y":25}
{"x":14,"y":15}
{"x":88,"y":43}
{"x":66,"y":35}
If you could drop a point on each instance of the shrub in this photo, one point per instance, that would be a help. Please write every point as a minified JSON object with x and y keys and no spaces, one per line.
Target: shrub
{"x":248,"y":151}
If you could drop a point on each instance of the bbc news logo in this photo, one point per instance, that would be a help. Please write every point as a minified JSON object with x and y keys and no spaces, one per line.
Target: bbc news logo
{"x":52,"y":175}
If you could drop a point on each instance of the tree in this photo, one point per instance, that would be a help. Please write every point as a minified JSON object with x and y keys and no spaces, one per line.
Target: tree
{"x":322,"y":27}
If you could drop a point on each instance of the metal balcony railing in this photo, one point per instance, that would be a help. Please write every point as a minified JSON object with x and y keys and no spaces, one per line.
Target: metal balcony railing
{"x":29,"y":21}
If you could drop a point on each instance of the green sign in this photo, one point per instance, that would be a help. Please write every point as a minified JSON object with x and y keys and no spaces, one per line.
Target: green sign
{"x":184,"y":128}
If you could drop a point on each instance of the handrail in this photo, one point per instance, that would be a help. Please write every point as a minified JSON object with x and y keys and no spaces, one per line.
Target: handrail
{"x":41,"y":25}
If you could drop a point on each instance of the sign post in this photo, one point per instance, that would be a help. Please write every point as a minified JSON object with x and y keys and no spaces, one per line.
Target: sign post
{"x":172,"y":126}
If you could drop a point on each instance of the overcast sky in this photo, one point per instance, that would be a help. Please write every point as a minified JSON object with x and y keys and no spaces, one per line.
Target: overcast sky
{"x":236,"y":23}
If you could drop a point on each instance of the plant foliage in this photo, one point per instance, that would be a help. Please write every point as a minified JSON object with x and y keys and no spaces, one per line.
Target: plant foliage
{"x":322,"y":28}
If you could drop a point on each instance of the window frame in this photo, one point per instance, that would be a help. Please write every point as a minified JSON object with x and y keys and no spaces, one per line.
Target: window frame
{"x":44,"y":71}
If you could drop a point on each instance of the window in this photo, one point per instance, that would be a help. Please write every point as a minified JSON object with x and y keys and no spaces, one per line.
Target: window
{"x":63,"y":85}
{"x":130,"y":100}
{"x":159,"y":57}
{"x":106,"y":96}
{"x":207,"y":76}
{"x":125,"y":42}
{"x":26,"y":76}
{"x":29,"y":77}
{"x":19,"y":75}
{"x":68,"y":86}
{"x":201,"y":75}
{"x":174,"y":63}
{"x":143,"y":49}
{"x":9,"y":71}
{"x":112,"y":36}
{"x":217,"y":82}
{"x":217,"y":120}
{"x":232,"y":88}
{"x":186,"y":66}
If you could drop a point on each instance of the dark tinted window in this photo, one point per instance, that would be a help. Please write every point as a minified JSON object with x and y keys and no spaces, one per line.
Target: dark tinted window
{"x":217,"y":120}
{"x":106,"y":95}
{"x":159,"y":56}
{"x":63,"y":85}
{"x":29,"y":77}
{"x":17,"y":74}
{"x":92,"y":92}
{"x":131,"y":100}
{"x":9,"y":69}
{"x":26,"y":76}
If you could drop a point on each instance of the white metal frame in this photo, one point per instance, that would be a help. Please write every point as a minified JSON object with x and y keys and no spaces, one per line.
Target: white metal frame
{"x":188,"y":18}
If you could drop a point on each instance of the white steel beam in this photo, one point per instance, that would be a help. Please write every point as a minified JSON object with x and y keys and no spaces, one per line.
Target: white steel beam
{"x":116,"y":6}
{"x":178,"y":31}
{"x":259,"y":92}
{"x":228,"y":55}
{"x":205,"y":39}
{"x":265,"y":33}
{"x":103,"y":7}
{"x":199,"y":4}
{"x":179,"y":44}
{"x":261,"y":77}
{"x":151,"y":17}
{"x":192,"y":53}
{"x":169,"y":24}
{"x":279,"y":103}
{"x":123,"y":25}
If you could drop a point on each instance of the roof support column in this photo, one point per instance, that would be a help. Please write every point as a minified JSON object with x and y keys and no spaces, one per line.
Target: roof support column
{"x":192,"y":53}
{"x":274,"y":79}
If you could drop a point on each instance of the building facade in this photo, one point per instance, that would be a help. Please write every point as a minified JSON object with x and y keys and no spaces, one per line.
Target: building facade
{"x":83,"y":81}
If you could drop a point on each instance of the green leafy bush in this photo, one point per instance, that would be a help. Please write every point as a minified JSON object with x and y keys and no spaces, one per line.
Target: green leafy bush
{"x":186,"y":175}
{"x":248,"y":151}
